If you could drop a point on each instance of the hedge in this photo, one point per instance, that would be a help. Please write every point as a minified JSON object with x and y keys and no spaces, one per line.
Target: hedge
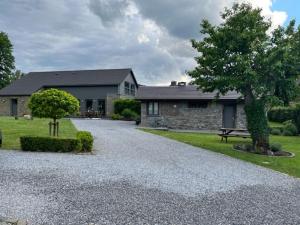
{"x":86,"y":139}
{"x":131,"y":104}
{"x":49,"y":144}
{"x":281,"y":114}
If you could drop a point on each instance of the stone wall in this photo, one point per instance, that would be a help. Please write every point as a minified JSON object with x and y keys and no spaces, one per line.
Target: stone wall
{"x":241,"y":121}
{"x":177,"y":115}
{"x":5,"y":105}
{"x":110,"y":104}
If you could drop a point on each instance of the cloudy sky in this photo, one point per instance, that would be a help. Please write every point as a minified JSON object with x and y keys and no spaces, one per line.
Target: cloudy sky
{"x":149,"y":36}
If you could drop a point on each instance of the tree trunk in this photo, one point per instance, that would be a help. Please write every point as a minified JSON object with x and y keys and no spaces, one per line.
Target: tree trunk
{"x":257,"y":123}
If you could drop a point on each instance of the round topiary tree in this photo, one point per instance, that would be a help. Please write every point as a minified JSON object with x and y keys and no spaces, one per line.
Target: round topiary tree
{"x":54,"y":104}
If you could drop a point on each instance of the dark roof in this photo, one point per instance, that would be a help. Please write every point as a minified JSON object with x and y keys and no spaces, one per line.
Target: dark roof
{"x":36,"y":80}
{"x":188,"y":92}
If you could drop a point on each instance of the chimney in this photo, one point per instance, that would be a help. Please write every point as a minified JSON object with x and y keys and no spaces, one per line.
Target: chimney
{"x":181,"y":84}
{"x":173,"y":83}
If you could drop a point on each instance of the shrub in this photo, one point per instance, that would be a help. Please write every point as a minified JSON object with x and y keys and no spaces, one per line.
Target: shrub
{"x":49,"y":144}
{"x":116,"y":116}
{"x":129,"y":114}
{"x":275,"y":131}
{"x":287,"y":133}
{"x":281,"y":114}
{"x":131,"y":104}
{"x":275,"y":147}
{"x":291,"y":127}
{"x":86,"y":139}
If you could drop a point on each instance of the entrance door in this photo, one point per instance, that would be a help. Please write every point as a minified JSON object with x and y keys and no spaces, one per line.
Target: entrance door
{"x":229,"y":113}
{"x":101,"y":107}
{"x":14,"y":107}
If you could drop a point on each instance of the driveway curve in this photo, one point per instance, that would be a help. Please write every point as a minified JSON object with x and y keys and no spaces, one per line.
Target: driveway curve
{"x":140,"y":178}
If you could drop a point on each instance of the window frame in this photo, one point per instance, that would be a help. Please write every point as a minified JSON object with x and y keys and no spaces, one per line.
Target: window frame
{"x":152,"y":112}
{"x":132,"y":89}
{"x":127,"y":89}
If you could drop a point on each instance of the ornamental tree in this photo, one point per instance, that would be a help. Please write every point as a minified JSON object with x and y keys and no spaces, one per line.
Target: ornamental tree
{"x":241,"y":54}
{"x":54,"y":104}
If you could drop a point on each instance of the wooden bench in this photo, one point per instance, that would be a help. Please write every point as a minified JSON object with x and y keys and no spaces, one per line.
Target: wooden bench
{"x":233,"y":132}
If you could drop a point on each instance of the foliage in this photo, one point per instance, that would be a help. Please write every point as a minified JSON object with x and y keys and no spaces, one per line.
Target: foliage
{"x":86,"y":139}
{"x":291,"y":127}
{"x":275,"y":131}
{"x":133,"y":105}
{"x":287,"y":133}
{"x":212,"y":142}
{"x":116,"y":116}
{"x":129,"y":114}
{"x":7,"y":60}
{"x":18,"y":74}
{"x":53,"y":103}
{"x":13,"y":129}
{"x":297,"y":116}
{"x":49,"y":144}
{"x":257,"y":124}
{"x":239,"y":55}
{"x":281,"y":114}
{"x":275,"y":147}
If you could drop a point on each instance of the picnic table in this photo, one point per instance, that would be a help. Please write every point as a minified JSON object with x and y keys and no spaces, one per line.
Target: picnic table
{"x":233,"y":132}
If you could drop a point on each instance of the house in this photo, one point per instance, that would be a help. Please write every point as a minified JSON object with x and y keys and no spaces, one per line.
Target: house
{"x":95,"y":89}
{"x":182,"y":106}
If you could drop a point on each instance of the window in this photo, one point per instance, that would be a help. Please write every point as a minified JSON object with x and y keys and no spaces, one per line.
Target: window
{"x":127,"y":88}
{"x":132,"y":89}
{"x":197,"y":105}
{"x":153,"y":108}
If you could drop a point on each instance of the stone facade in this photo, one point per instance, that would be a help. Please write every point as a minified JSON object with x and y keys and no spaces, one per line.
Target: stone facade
{"x":177,"y":115}
{"x":5,"y":105}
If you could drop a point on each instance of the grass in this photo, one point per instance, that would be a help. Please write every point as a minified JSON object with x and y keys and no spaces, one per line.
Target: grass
{"x":213,"y":142}
{"x":12,"y":130}
{"x":275,"y":124}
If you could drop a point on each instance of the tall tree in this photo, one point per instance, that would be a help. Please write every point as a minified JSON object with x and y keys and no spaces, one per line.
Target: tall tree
{"x":240,"y":54}
{"x":7,"y":60}
{"x":16,"y":75}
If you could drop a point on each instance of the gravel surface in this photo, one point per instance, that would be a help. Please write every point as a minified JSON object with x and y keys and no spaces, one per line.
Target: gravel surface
{"x":139,"y":178}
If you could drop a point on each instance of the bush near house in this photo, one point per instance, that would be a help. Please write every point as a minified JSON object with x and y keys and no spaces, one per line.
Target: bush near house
{"x":86,"y":139}
{"x":49,"y":144}
{"x":131,"y":104}
{"x":128,"y":109}
{"x":116,"y":117}
{"x":128,"y":114}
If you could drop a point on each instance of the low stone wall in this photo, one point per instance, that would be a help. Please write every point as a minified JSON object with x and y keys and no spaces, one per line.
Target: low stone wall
{"x":5,"y":105}
{"x":177,"y":115}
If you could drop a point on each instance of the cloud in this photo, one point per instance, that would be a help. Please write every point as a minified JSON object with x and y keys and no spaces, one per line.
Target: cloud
{"x":109,"y":11}
{"x":152,"y":37}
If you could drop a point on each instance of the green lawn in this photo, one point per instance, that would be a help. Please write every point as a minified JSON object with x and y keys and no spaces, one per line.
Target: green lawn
{"x":12,"y":129}
{"x":213,"y":142}
{"x":275,"y":124}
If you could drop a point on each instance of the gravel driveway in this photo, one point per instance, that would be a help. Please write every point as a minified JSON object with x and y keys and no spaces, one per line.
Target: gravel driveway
{"x":139,"y":178}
